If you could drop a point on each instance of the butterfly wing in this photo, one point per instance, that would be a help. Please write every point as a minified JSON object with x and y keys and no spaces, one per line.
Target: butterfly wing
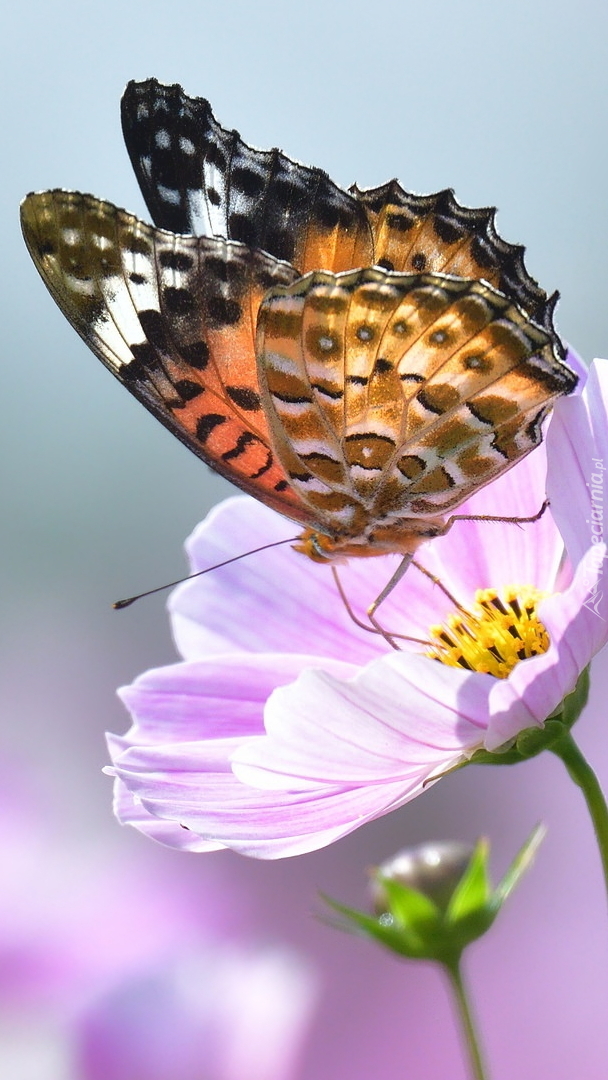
{"x":197,"y":177}
{"x":435,"y":234}
{"x":173,"y":317}
{"x":392,"y":396}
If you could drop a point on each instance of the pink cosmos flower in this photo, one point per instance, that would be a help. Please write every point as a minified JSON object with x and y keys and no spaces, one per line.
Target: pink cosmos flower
{"x":286,"y":726}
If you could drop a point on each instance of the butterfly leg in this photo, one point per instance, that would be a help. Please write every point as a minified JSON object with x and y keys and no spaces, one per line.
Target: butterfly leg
{"x":388,"y":588}
{"x":492,"y":517}
{"x":344,"y":598}
{"x":437,"y":581}
{"x":359,"y":622}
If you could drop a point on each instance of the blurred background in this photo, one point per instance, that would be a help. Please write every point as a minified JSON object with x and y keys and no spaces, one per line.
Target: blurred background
{"x":107,"y":940}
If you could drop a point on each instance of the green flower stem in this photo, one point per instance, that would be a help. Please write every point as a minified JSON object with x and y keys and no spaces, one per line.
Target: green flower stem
{"x":583,"y":775}
{"x":466,"y":1020}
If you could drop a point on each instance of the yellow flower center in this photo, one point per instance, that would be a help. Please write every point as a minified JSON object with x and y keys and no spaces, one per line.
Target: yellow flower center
{"x":496,"y":633}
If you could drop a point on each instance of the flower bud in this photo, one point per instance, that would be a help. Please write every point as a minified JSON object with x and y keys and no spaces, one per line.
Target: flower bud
{"x":433,"y":869}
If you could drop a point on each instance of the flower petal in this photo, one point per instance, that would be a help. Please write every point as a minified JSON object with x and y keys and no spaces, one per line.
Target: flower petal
{"x":578,"y":457}
{"x":173,"y":768}
{"x":219,"y":698}
{"x":129,"y":811}
{"x":401,"y":719}
{"x":225,"y":812}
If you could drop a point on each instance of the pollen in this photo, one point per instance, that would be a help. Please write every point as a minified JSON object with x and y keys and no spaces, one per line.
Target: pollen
{"x":498,"y":631}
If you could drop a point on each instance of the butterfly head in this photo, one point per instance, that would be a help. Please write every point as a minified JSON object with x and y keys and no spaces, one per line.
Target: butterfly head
{"x":399,"y":538}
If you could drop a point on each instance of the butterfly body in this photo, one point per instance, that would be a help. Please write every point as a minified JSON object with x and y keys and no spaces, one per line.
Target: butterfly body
{"x":360,"y":361}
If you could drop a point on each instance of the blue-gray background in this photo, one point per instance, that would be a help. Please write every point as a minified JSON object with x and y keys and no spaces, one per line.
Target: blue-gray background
{"x":508,"y":105}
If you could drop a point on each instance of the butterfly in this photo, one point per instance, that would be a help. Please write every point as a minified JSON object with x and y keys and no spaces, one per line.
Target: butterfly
{"x":361,"y":361}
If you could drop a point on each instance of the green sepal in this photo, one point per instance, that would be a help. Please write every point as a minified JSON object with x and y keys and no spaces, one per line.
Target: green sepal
{"x":398,"y":938}
{"x":408,"y":907}
{"x":520,"y":865}
{"x":532,"y":741}
{"x":474,"y":888}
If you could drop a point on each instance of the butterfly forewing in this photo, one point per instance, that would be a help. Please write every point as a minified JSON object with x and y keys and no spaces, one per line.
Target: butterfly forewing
{"x":392,"y":396}
{"x":197,"y":177}
{"x":173,"y":317}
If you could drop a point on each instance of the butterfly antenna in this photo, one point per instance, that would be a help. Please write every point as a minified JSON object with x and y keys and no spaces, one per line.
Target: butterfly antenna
{"x":120,"y":604}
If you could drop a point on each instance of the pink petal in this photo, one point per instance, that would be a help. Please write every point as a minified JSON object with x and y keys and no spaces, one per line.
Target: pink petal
{"x":173,"y":769}
{"x":223,"y":697}
{"x":578,"y":457}
{"x":129,"y":811}
{"x":402,"y":718}
{"x":263,"y":824}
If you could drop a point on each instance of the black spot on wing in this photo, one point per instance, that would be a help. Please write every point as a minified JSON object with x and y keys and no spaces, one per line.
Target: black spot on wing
{"x":195,"y":353}
{"x":449,"y":229}
{"x":144,"y":356}
{"x":223,"y":312}
{"x":187,"y":389}
{"x":244,"y":397}
{"x":175,"y":260}
{"x":382,"y":366}
{"x":206,"y":424}
{"x":154,"y":327}
{"x":330,"y":392}
{"x":246,"y":440}
{"x":248,"y":181}
{"x":179,"y":301}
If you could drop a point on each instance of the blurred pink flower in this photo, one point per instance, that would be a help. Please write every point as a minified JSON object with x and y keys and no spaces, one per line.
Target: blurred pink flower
{"x":224,"y":1014}
{"x":101,"y":962}
{"x":74,"y":920}
{"x":286,"y":726}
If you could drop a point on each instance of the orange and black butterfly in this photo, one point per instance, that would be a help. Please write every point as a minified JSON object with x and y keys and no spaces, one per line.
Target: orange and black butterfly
{"x":360,"y":361}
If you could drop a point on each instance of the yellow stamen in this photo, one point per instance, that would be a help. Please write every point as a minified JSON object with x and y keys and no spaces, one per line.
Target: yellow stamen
{"x":495,"y":634}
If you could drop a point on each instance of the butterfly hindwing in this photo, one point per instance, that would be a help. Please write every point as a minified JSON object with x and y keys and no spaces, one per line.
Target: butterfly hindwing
{"x":173,"y":317}
{"x":197,"y":177}
{"x":397,"y":395}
